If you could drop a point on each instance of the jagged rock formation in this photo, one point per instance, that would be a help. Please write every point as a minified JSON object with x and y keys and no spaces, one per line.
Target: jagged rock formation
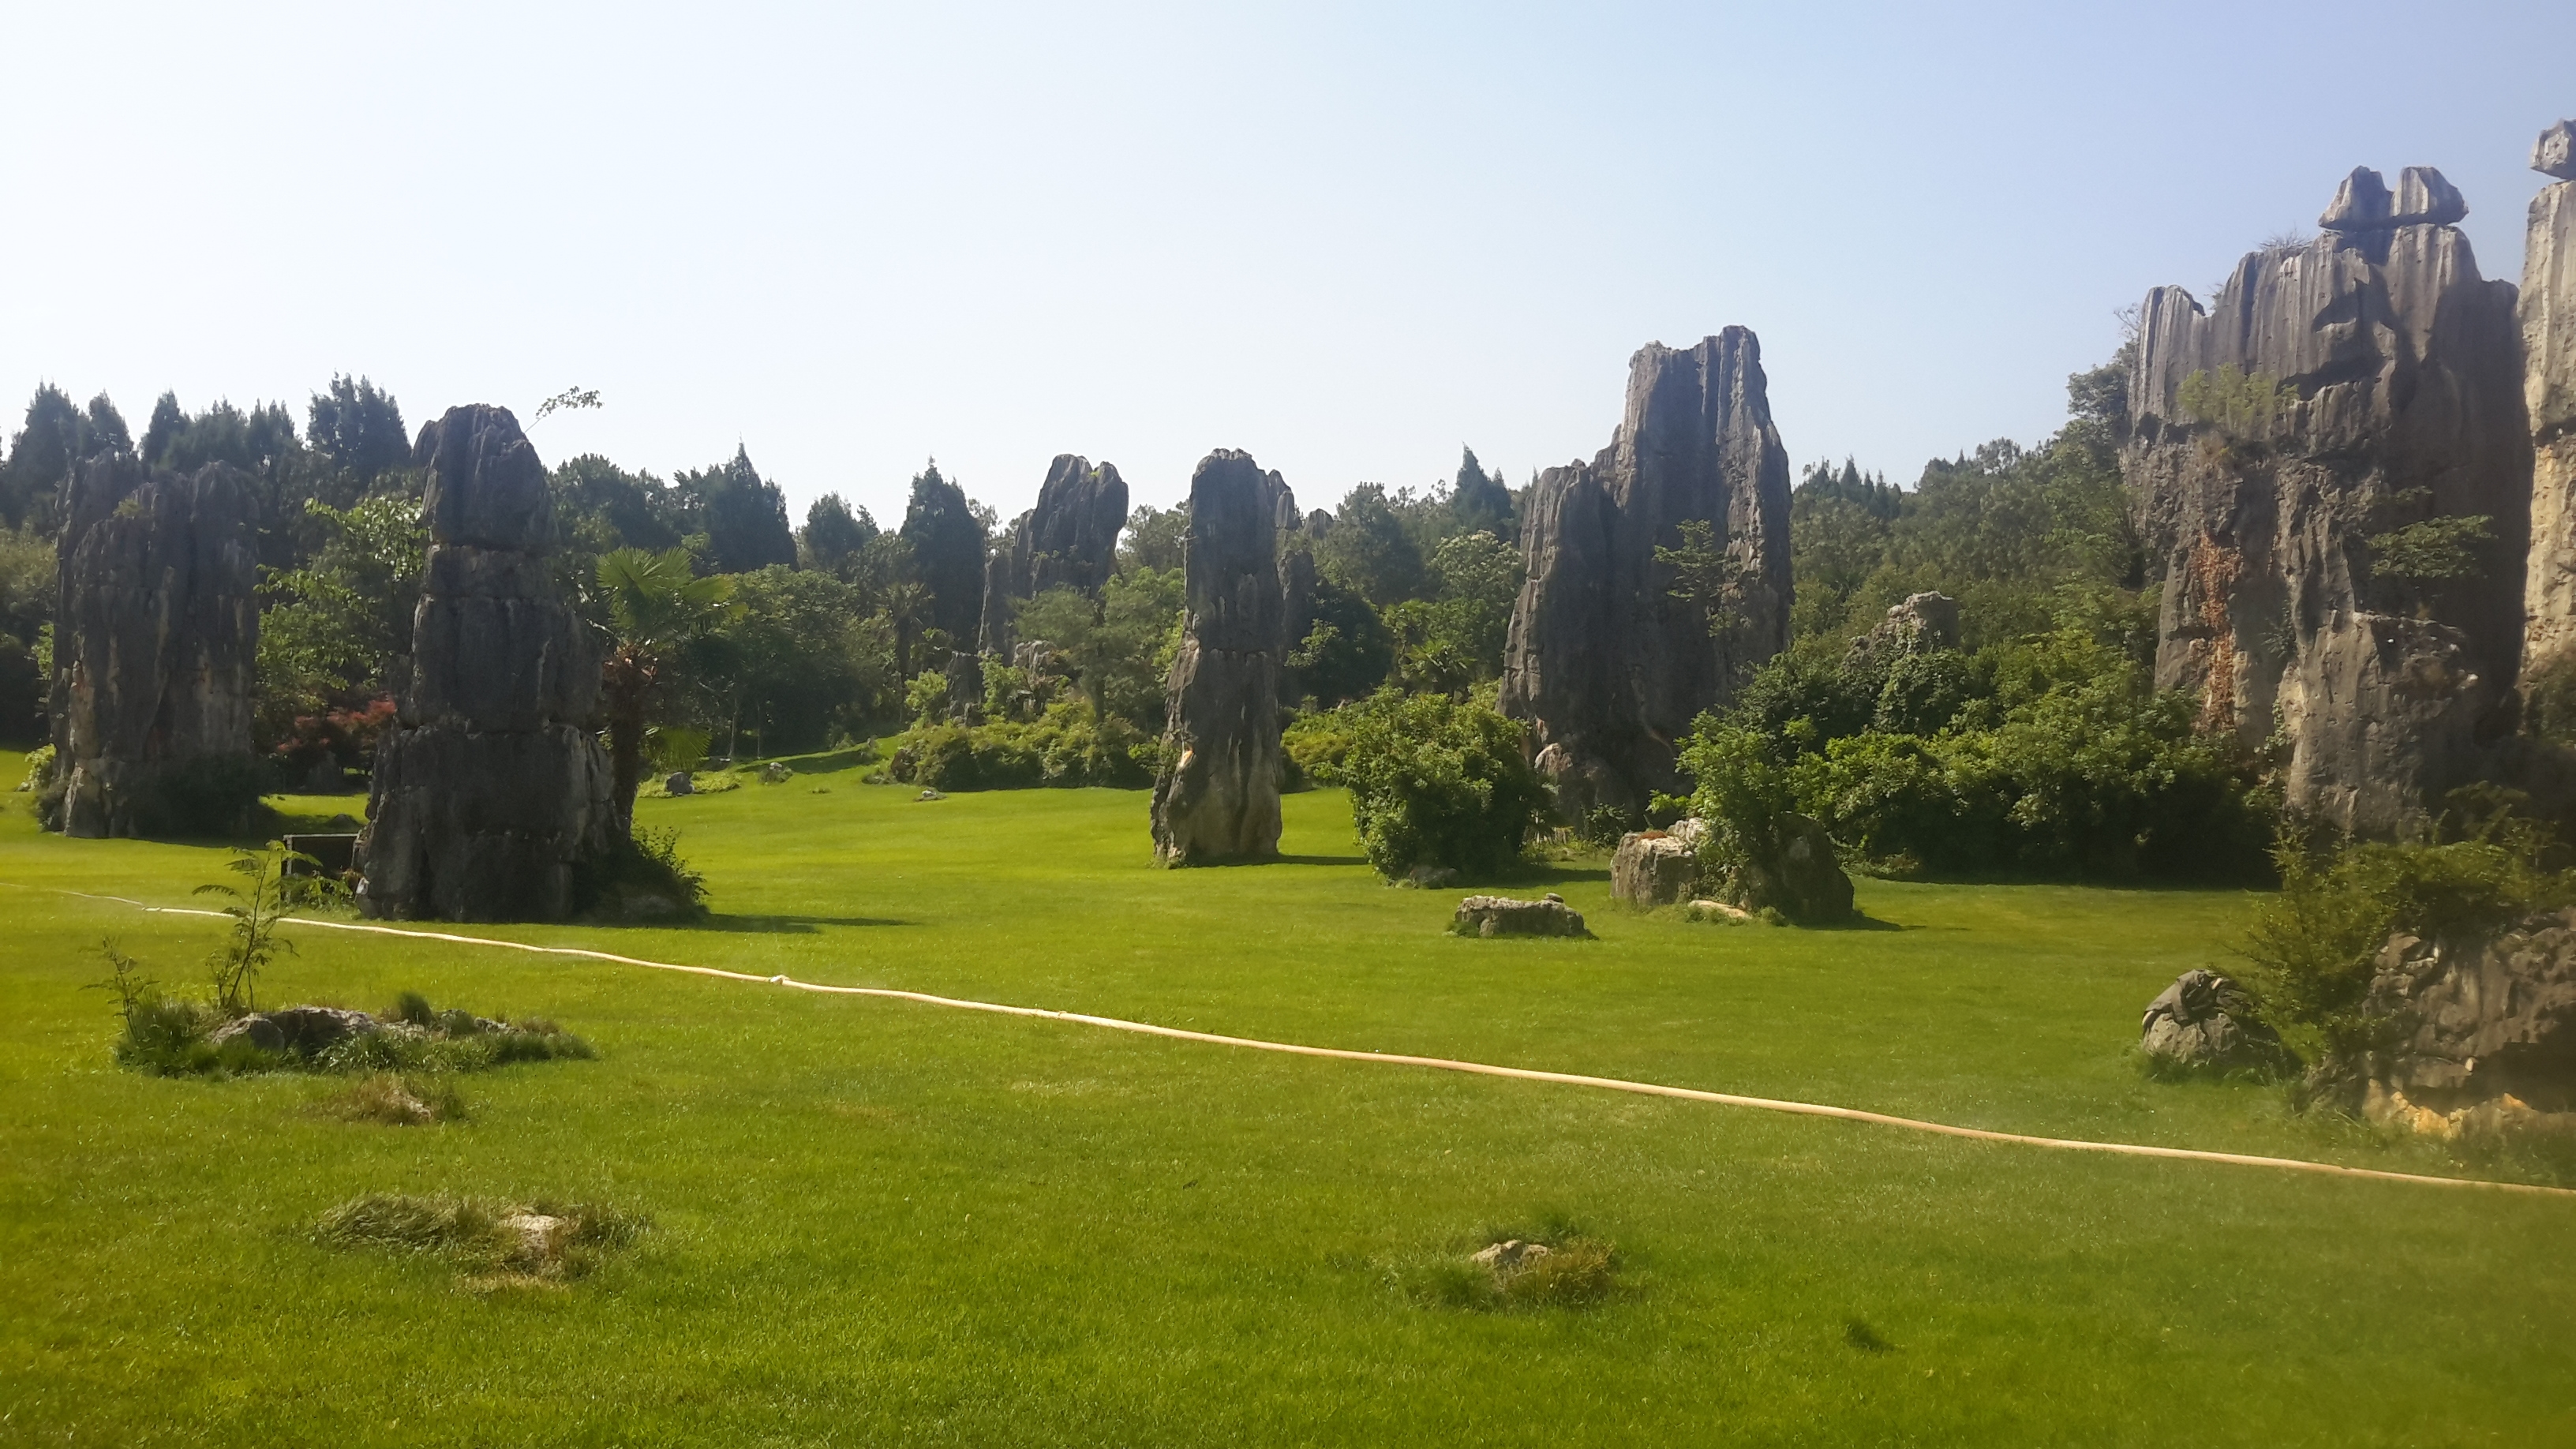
{"x":2548,"y":315}
{"x":1657,"y":867}
{"x":1069,"y":539}
{"x":2476,"y":1025}
{"x":492,"y":796}
{"x":1606,"y":666}
{"x":2363,"y":384}
{"x":156,"y":636}
{"x":1218,"y":799}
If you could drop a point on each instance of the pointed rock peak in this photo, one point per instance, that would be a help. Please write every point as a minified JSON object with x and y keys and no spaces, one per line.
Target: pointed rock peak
{"x":2425,"y":199}
{"x":2362,"y":203}
{"x":2554,"y":154}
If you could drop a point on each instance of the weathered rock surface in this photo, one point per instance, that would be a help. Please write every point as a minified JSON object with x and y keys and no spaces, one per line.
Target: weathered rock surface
{"x":304,"y":1030}
{"x":2206,"y":1020}
{"x":1070,"y":539}
{"x":1657,"y":867}
{"x":1507,"y":916}
{"x":1804,"y":882}
{"x":156,"y":638}
{"x":1606,"y":666}
{"x":1218,"y":799}
{"x":2548,"y":318}
{"x":2403,"y":404}
{"x":492,"y":794}
{"x":679,"y":783}
{"x":2554,"y":154}
{"x":1923,"y":623}
{"x":2479,"y":1022}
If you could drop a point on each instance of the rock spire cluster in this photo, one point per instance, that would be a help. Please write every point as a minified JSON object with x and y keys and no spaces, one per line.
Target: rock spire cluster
{"x":156,"y":638}
{"x":1218,"y":797}
{"x":1069,"y":539}
{"x":2333,"y":463}
{"x":492,"y":795}
{"x":1606,"y":665}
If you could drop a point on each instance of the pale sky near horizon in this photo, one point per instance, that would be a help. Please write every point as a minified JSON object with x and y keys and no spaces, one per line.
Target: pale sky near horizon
{"x":1347,"y":238}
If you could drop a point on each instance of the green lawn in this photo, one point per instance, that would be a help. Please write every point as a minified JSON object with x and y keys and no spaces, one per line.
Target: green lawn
{"x":881,"y":1222}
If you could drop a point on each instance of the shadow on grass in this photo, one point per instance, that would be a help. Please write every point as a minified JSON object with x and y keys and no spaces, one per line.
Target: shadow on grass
{"x":832,"y":763}
{"x":783,"y":925}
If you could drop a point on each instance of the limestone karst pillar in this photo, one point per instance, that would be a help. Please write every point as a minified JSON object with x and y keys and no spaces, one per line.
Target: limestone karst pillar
{"x":492,"y":794}
{"x":2548,"y":317}
{"x":1607,"y":667}
{"x":156,"y":637}
{"x":1217,"y":798}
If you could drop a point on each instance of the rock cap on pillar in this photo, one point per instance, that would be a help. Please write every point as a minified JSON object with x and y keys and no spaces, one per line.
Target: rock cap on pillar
{"x":2554,"y":154}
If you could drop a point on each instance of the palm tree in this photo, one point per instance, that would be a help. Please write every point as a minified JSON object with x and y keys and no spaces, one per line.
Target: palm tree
{"x":659,"y":607}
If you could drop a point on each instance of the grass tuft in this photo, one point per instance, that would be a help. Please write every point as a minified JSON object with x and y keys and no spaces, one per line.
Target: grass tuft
{"x":1858,"y":1334}
{"x":398,"y":1101}
{"x":545,"y":1240}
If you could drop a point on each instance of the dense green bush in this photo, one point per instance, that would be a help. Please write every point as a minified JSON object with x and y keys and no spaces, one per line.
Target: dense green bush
{"x":1437,"y":782}
{"x":1069,"y":744}
{"x":2052,"y":755}
{"x":2311,"y":946}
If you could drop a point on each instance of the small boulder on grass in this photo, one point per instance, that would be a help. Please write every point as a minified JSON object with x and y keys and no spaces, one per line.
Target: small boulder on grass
{"x":1506,"y":916}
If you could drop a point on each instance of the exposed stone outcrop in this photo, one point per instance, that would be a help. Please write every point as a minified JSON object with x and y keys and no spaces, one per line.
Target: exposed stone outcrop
{"x":1657,"y":867}
{"x":2206,"y":1021}
{"x":492,"y":795}
{"x":2548,"y":316}
{"x":2363,"y":383}
{"x":1218,"y":798}
{"x":156,"y":638}
{"x":1069,"y":539}
{"x":1922,"y":624}
{"x":2474,"y":1024}
{"x":1490,"y":916}
{"x":1803,"y":880}
{"x":1605,"y":664}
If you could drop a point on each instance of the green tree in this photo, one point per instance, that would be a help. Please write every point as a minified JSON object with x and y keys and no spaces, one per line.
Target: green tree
{"x":948,"y":553}
{"x":357,"y":428}
{"x":1478,"y":501}
{"x":743,"y":515}
{"x":1369,"y":551}
{"x":331,"y":633}
{"x":1154,"y":538}
{"x":1437,"y":782}
{"x":833,"y":535}
{"x":659,"y":607}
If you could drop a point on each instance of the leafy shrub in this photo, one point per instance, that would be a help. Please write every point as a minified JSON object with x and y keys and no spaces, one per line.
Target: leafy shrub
{"x":1068,"y":744}
{"x":2239,"y":404}
{"x":2311,"y":947}
{"x":643,"y":878}
{"x":1437,"y":782}
{"x":1317,"y":743}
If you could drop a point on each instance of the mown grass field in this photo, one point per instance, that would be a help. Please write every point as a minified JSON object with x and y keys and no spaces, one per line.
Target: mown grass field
{"x":876,"y":1222}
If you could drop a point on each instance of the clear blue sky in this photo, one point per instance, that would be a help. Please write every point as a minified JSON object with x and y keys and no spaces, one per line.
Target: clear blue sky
{"x":1346,"y":238}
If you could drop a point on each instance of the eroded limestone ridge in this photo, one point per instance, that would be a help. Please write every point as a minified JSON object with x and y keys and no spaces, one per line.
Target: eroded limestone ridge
{"x":1605,"y":664}
{"x":1069,"y":539}
{"x":1217,"y":798}
{"x":156,"y":639}
{"x":2549,"y":392}
{"x":492,"y":794}
{"x":2311,"y":456}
